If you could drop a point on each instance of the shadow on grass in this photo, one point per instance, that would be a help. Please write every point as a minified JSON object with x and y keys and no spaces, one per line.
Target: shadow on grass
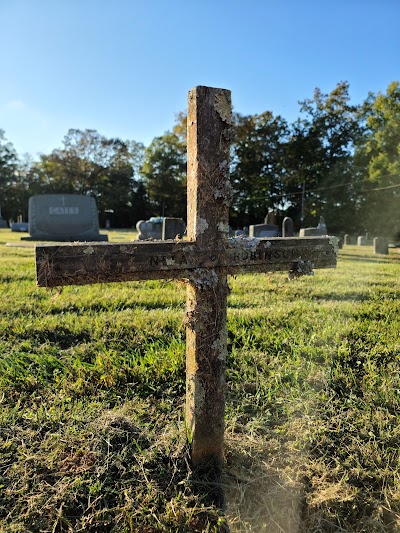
{"x":113,"y":307}
{"x":388,"y":259}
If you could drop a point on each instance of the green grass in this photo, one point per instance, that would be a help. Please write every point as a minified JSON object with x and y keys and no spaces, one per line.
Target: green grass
{"x":92,"y":433}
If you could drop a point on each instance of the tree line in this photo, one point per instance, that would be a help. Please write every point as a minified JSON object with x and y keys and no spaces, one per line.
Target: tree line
{"x":337,"y":160}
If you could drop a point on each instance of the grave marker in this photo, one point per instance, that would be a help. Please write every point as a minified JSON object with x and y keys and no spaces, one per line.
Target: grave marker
{"x":3,"y":223}
{"x":150,"y":229}
{"x":381,"y":246}
{"x":173,"y":228}
{"x":287,"y":227}
{"x":263,"y":230}
{"x":203,"y":261}
{"x":63,"y":217}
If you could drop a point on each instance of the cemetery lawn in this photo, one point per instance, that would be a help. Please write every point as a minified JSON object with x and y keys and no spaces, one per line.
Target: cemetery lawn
{"x":92,"y":379}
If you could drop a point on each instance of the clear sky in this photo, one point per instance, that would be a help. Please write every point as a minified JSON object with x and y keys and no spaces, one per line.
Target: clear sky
{"x":124,"y":67}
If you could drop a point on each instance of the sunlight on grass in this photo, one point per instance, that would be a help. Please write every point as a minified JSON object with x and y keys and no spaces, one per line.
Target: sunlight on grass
{"x":92,"y":431}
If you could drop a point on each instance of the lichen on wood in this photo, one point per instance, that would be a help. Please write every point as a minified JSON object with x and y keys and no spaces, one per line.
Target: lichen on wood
{"x":204,"y":261}
{"x":223,"y":105}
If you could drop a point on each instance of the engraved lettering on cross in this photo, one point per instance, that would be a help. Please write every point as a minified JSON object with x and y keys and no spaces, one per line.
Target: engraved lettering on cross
{"x":204,"y":261}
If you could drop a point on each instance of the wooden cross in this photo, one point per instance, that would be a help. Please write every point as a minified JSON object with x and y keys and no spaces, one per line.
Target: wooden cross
{"x":203,"y":260}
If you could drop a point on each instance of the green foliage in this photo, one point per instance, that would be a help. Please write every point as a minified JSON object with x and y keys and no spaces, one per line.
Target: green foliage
{"x":164,"y":172}
{"x":337,"y":160}
{"x":257,"y":166}
{"x":378,"y":154}
{"x":319,"y":159}
{"x":9,"y":179}
{"x":92,"y":164}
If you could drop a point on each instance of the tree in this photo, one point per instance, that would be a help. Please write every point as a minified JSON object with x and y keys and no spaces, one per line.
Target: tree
{"x":378,"y":155}
{"x":8,"y":178}
{"x":319,"y":172}
{"x":89,"y":163}
{"x":164,"y":174}
{"x":256,"y":166}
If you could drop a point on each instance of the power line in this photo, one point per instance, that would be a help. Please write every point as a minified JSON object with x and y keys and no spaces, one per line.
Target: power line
{"x":334,"y":187}
{"x":381,"y":188}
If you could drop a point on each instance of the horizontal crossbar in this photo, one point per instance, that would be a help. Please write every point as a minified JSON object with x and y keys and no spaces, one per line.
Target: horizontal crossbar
{"x":86,"y":263}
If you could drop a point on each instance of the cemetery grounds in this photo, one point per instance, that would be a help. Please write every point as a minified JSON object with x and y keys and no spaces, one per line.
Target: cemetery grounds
{"x":92,"y":378}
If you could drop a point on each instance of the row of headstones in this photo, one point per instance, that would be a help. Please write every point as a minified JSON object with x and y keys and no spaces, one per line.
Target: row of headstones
{"x":169,"y":228}
{"x":287,"y":230}
{"x":380,"y":244}
{"x":161,"y":228}
{"x":71,"y":217}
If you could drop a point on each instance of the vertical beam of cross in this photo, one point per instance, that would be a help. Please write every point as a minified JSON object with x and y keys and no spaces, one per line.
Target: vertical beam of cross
{"x":209,"y":194}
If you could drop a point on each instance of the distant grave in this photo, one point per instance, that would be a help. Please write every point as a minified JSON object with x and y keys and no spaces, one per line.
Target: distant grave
{"x":64,"y":218}
{"x":381,"y":246}
{"x":161,"y":228}
{"x":150,"y":229}
{"x":3,"y":223}
{"x":314,"y":232}
{"x":287,"y":227}
{"x":20,"y":226}
{"x":264,"y":230}
{"x":173,"y":228}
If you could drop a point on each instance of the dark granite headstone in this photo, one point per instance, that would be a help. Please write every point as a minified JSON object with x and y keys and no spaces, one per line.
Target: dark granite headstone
{"x":350,"y":240}
{"x":287,"y":227}
{"x":20,"y":226}
{"x":63,"y":217}
{"x":264,"y":230}
{"x":172,"y":228}
{"x":381,"y":246}
{"x":311,"y":232}
{"x":150,"y":229}
{"x":270,"y":218}
{"x":3,"y":223}
{"x":314,"y":232}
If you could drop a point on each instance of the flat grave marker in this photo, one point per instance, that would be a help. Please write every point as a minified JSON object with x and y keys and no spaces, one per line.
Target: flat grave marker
{"x":204,"y":260}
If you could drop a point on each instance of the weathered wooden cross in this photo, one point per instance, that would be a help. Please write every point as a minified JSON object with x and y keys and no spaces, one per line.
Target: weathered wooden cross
{"x":203,"y":260}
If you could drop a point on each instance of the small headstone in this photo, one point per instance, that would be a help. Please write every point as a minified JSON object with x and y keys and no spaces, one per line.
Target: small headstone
{"x":361,"y":240}
{"x":270,"y":218}
{"x":3,"y":223}
{"x":322,"y":226}
{"x":287,"y":227}
{"x":311,"y":232}
{"x":173,"y":228}
{"x":20,"y":226}
{"x":381,"y":246}
{"x":150,"y":229}
{"x":63,"y":217}
{"x":350,"y":239}
{"x":264,"y":230}
{"x":321,"y":229}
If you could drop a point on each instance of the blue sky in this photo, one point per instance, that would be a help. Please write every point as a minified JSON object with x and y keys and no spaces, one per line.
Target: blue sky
{"x":124,"y":67}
